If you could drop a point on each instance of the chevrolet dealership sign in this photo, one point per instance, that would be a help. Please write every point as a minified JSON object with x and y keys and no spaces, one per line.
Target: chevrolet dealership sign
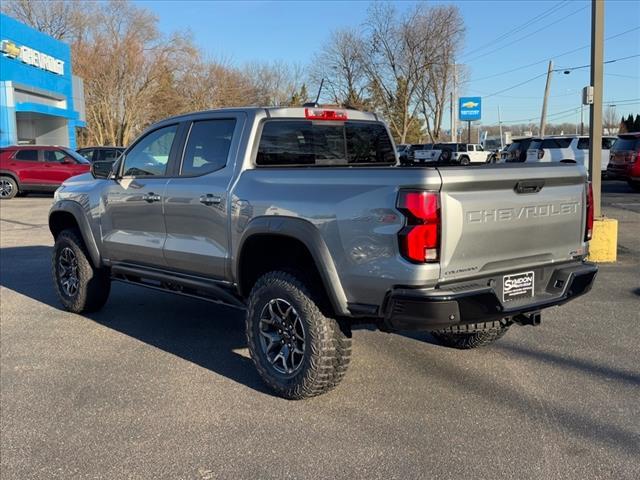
{"x":32,"y":57}
{"x":470,"y":109}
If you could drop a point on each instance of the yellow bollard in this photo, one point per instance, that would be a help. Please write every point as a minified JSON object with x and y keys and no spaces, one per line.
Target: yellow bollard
{"x":604,"y":244}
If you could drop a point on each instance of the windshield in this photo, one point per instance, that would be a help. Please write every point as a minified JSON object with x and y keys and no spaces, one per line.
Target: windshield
{"x":76,"y":156}
{"x":626,"y":144}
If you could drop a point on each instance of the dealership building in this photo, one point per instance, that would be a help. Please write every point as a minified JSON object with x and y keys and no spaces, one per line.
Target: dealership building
{"x":41,"y":102}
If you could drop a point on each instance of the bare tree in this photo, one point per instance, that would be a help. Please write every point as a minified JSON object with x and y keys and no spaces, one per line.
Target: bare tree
{"x":443,"y":30}
{"x":339,"y":63}
{"x":274,"y":83}
{"x":610,"y":120}
{"x":408,"y":61}
{"x":61,"y":19}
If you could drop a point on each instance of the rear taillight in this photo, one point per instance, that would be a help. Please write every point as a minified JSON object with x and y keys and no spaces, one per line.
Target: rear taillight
{"x":588,"y":233}
{"x":540,"y":153}
{"x":420,"y":238}
{"x":322,"y":114}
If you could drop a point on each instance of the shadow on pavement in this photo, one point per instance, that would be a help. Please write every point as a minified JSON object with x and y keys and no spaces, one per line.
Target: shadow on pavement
{"x":208,"y":335}
{"x":204,"y":333}
{"x":584,"y":366}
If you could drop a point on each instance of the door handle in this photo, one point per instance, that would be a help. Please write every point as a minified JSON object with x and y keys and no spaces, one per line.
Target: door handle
{"x":151,"y":197}
{"x":210,"y":199}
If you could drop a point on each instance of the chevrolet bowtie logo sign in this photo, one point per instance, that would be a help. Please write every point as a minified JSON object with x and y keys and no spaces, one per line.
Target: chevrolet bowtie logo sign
{"x":32,"y":57}
{"x":470,"y":109}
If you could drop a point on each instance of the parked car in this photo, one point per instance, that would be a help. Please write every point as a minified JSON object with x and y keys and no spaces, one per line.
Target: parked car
{"x":34,"y":168}
{"x":567,"y":148}
{"x":516,"y":151}
{"x":101,"y":154}
{"x":461,"y":153}
{"x":409,"y":154}
{"x":254,"y":208}
{"x":624,"y":161}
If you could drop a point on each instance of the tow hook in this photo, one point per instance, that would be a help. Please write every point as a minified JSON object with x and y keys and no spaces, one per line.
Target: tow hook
{"x":534,"y":319}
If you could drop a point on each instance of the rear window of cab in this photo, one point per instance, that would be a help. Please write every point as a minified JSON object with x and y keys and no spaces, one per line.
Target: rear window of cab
{"x":289,"y":143}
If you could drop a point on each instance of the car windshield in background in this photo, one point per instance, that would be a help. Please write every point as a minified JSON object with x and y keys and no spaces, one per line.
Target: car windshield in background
{"x":76,"y":156}
{"x":626,"y":144}
{"x":304,"y":143}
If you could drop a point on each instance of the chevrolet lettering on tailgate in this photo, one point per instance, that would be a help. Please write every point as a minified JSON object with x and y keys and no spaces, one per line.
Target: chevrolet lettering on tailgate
{"x":532,"y":211}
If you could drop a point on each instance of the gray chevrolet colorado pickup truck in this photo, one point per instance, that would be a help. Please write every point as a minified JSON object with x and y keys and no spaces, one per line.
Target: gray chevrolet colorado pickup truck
{"x":303,"y":218}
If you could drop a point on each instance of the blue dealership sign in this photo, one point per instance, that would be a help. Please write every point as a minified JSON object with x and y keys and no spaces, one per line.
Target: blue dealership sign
{"x":469,"y":108}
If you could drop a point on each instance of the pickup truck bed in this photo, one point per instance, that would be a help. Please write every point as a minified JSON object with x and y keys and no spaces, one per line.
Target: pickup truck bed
{"x":308,"y":223}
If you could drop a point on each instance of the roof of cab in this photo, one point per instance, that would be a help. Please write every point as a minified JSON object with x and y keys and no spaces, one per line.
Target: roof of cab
{"x":275,"y":112}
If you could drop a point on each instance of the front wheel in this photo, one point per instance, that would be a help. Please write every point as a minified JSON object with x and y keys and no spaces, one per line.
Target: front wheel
{"x":465,"y":337}
{"x":81,"y":287}
{"x":8,"y":188}
{"x":298,"y":351}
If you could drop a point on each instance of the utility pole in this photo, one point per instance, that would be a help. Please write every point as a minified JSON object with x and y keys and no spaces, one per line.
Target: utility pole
{"x":595,"y":114}
{"x":500,"y":125}
{"x":543,"y":117}
{"x":454,"y":108}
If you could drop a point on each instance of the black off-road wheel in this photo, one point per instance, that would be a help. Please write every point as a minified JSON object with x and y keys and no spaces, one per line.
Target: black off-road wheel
{"x":8,"y":188}
{"x":475,"y":335}
{"x":298,"y":351}
{"x":80,"y":286}
{"x":464,"y":160}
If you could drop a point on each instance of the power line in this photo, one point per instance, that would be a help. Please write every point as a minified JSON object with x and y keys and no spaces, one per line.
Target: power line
{"x":569,"y":52}
{"x":556,"y":70}
{"x":529,"y":34}
{"x":526,"y":24}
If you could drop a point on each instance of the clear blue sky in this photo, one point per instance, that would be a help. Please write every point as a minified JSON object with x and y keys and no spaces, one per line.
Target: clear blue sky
{"x":292,"y":31}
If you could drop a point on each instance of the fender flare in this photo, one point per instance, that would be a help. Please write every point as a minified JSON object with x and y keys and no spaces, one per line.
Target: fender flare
{"x":9,"y":173}
{"x":76,"y":210}
{"x":305,"y":232}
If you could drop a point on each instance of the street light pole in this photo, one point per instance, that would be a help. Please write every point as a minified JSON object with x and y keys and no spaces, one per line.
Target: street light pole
{"x":595,"y":113}
{"x":543,"y":117}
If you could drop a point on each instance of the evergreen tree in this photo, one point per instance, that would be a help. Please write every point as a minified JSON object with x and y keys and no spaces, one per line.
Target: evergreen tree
{"x":636,"y":124}
{"x":629,"y":123}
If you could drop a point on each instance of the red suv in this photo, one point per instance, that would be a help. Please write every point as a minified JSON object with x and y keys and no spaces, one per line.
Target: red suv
{"x":32,"y":168}
{"x":624,"y":159}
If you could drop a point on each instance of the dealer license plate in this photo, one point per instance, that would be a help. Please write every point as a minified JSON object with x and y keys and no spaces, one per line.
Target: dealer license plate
{"x":517,"y":286}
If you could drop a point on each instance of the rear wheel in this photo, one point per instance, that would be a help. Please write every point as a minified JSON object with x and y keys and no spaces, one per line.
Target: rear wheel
{"x":298,"y":351}
{"x":472,"y":336}
{"x":8,"y":188}
{"x":81,"y":287}
{"x":464,"y":160}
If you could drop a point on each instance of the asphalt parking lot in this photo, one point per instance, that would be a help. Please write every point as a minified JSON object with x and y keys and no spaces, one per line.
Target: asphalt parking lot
{"x":157,"y":386}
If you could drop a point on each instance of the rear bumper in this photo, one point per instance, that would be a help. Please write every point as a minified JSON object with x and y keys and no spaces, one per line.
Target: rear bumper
{"x":479,"y":300}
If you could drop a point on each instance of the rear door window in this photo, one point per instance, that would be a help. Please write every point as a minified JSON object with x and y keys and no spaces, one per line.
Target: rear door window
{"x":88,"y":154}
{"x":208,"y":146}
{"x":27,"y":155}
{"x":54,"y":156}
{"x":307,"y":143}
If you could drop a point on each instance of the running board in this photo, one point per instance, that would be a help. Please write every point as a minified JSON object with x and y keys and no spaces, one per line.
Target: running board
{"x":176,"y":283}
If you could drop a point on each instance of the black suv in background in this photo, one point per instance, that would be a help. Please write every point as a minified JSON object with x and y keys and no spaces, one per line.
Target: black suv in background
{"x":517,"y":150}
{"x":101,"y":154}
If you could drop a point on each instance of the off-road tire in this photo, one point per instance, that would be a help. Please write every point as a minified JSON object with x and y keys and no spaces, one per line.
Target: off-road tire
{"x":464,"y":160}
{"x":94,"y":284}
{"x":9,"y":188}
{"x":327,"y":343}
{"x":475,"y":335}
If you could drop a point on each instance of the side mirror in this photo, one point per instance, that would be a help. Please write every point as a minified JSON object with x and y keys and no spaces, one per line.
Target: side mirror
{"x":101,"y":170}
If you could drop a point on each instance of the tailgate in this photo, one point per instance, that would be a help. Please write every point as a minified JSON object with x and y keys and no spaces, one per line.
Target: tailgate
{"x":502,"y":218}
